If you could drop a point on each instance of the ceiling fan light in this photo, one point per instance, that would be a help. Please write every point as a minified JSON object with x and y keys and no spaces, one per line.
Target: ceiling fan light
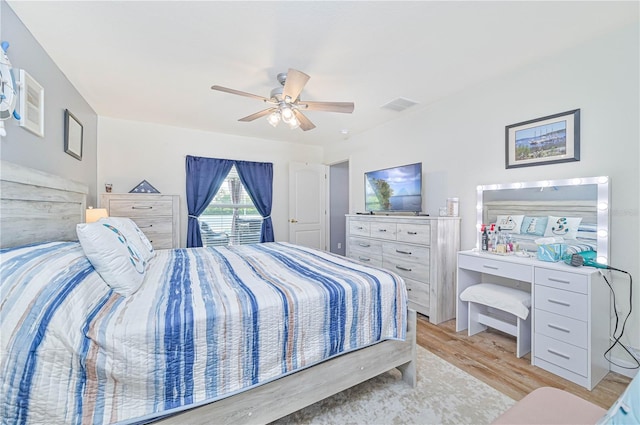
{"x":287,"y":114}
{"x":274,"y":118}
{"x":294,"y":123}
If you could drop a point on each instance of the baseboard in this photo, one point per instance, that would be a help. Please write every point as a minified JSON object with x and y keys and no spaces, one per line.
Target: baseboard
{"x":621,"y":370}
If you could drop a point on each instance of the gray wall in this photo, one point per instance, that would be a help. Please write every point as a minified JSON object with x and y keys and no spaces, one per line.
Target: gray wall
{"x":338,"y":206}
{"x":47,"y":154}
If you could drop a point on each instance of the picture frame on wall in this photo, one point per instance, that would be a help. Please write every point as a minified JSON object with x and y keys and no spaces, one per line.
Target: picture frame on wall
{"x":31,"y":104}
{"x":73,"y":135}
{"x":541,"y":141}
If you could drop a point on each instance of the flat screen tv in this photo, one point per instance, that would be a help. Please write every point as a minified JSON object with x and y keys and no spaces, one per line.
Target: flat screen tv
{"x":397,"y":189}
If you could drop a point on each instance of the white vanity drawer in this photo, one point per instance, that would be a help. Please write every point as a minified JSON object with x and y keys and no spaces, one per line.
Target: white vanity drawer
{"x":414,"y":233}
{"x":562,"y":354}
{"x":383,"y":231}
{"x":566,"y":303}
{"x":418,"y":292}
{"x":566,"y":329}
{"x":358,"y":227}
{"x":562,"y":280}
{"x":495,"y":267}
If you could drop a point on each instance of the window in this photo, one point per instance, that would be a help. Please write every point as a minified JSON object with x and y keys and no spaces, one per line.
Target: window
{"x":231,"y":218}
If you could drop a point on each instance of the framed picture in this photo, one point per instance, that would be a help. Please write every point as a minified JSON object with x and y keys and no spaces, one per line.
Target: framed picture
{"x":72,"y":135}
{"x":546,"y":140}
{"x":31,"y":104}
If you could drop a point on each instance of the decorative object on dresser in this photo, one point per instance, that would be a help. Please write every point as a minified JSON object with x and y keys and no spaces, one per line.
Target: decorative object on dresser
{"x":546,"y":140}
{"x":144,"y":187}
{"x":420,"y":249}
{"x":156,"y":215}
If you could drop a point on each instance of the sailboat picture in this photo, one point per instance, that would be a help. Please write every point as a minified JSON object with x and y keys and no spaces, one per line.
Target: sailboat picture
{"x":546,"y":140}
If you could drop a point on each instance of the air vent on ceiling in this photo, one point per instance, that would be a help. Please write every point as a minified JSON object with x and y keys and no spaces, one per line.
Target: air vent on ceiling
{"x":399,"y":104}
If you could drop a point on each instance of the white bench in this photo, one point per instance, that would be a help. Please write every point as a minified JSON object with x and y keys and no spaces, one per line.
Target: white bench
{"x":500,"y":307}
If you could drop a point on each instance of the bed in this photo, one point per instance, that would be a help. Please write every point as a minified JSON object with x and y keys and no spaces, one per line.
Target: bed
{"x":111,"y":373}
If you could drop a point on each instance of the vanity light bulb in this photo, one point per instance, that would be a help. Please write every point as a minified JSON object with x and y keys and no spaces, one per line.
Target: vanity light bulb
{"x":478,"y":226}
{"x":602,"y":233}
{"x":517,"y":185}
{"x":576,"y":181}
{"x":601,"y":260}
{"x":603,"y":179}
{"x":603,"y":206}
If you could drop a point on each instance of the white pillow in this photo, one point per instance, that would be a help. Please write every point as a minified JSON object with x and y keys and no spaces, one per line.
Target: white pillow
{"x":112,"y":255}
{"x":133,"y":234}
{"x":509,"y":223}
{"x":567,"y":227}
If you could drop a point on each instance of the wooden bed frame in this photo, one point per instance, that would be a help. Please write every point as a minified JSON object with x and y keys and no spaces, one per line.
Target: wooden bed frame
{"x":38,"y":207}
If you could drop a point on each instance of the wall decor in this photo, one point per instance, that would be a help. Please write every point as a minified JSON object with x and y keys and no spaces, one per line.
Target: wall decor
{"x":546,"y":140}
{"x":31,"y":104}
{"x":144,"y":187}
{"x":73,"y":133}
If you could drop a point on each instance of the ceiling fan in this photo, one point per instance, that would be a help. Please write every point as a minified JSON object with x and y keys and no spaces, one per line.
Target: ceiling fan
{"x":286,"y":104}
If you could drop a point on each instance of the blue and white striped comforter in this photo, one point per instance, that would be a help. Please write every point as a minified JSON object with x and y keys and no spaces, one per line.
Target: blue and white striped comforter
{"x":205,"y":323}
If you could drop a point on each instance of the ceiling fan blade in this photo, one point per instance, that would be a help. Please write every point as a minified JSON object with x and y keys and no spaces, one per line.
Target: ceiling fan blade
{"x":345,"y":107}
{"x":305,"y":123}
{"x":294,"y":84}
{"x":238,"y":92}
{"x":257,"y":115}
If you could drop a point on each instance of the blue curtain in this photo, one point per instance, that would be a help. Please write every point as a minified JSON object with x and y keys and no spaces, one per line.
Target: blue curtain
{"x":257,"y":178}
{"x":204,"y":178}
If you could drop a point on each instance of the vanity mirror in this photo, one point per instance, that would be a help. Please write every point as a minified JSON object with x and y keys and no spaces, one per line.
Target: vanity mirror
{"x":586,"y":198}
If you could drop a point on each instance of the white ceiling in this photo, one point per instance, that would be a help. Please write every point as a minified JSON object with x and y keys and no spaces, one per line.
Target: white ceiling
{"x":156,"y":61}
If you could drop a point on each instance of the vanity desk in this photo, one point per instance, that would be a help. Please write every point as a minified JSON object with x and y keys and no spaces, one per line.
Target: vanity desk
{"x":569,"y":308}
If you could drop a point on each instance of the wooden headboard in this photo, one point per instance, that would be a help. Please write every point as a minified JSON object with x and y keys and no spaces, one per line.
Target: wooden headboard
{"x":585,"y":209}
{"x":37,"y":207}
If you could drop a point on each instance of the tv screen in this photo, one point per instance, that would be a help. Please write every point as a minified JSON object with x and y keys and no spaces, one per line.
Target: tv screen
{"x":394,"y":189}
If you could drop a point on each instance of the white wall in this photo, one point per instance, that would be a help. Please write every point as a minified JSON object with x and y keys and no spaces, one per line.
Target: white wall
{"x":129,"y":152}
{"x":460,"y":141}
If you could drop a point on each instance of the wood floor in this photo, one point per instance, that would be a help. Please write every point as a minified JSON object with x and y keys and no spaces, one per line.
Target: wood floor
{"x":490,"y":357}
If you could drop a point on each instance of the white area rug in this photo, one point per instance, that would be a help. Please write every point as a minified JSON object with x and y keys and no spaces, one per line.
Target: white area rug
{"x":444,"y":394}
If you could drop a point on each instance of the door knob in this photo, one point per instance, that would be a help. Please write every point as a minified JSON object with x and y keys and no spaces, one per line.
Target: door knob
{"x":293,"y":220}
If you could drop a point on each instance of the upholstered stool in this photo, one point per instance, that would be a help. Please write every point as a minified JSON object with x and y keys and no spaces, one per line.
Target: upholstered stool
{"x":500,"y":307}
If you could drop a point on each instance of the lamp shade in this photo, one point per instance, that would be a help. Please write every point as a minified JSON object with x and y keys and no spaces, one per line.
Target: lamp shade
{"x":95,"y":214}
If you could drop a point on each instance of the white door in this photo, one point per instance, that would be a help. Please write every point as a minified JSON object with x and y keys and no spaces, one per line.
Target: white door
{"x":307,"y":205}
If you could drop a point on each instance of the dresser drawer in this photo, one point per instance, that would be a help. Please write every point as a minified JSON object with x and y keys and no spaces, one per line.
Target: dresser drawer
{"x":383,"y":231}
{"x":572,"y":331}
{"x":359,"y":227}
{"x":414,"y":233}
{"x":562,"y":354}
{"x":562,"y":280}
{"x":140,"y":208}
{"x":160,"y":240}
{"x":495,"y":267}
{"x":408,"y":261}
{"x":418,"y":292}
{"x":566,"y":303}
{"x":366,"y":250}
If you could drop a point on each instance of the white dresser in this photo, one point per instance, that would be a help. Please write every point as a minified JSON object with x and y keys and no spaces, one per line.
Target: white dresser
{"x":156,"y":215}
{"x":420,"y":249}
{"x":570,"y":308}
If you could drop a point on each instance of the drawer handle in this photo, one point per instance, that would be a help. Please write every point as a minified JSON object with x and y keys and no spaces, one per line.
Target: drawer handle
{"x":144,"y":227}
{"x":566,"y":304}
{"x":382,"y":230}
{"x":360,"y":228}
{"x":564,"y":356}
{"x":559,"y":328}
{"x":555,"y":279}
{"x":403,"y":268}
{"x":490,"y":267}
{"x":364,"y":259}
{"x":403,"y":252}
{"x":412,"y":233}
{"x":365,"y":245}
{"x":141,"y":208}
